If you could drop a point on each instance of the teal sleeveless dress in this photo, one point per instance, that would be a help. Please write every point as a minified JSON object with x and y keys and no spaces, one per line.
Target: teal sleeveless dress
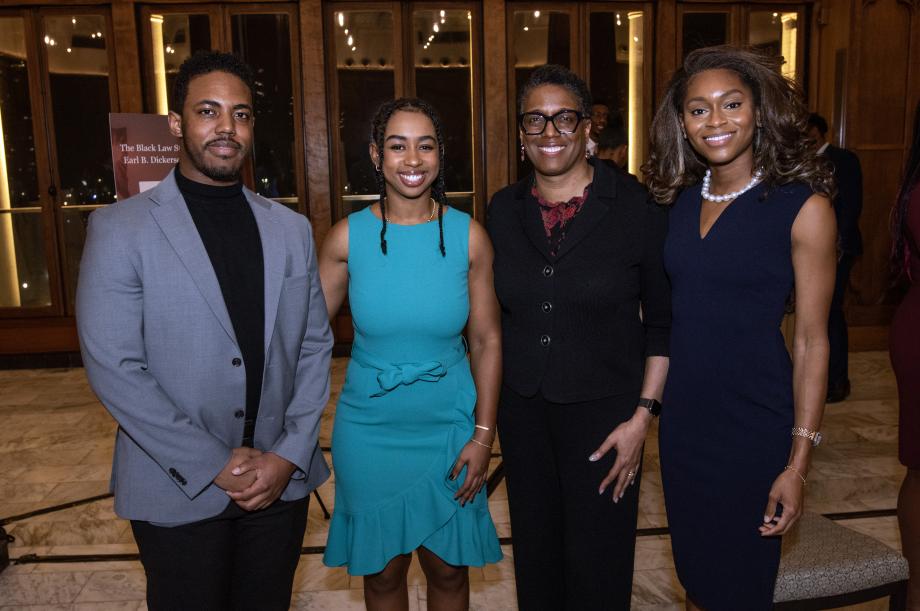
{"x":406,"y":409}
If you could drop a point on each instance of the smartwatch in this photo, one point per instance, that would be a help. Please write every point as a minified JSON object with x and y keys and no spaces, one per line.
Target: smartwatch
{"x":652,"y":405}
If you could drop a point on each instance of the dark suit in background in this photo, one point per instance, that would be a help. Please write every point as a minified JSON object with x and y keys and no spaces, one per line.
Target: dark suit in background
{"x":847,"y":207}
{"x":574,"y":349}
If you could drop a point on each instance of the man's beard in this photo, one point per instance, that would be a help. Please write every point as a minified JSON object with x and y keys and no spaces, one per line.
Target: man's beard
{"x":219,"y":174}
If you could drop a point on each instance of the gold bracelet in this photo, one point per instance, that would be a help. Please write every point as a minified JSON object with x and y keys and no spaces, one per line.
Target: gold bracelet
{"x":797,"y":472}
{"x":480,"y":443}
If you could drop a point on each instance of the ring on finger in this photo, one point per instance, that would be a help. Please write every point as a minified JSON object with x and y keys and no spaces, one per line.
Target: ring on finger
{"x":631,"y":474}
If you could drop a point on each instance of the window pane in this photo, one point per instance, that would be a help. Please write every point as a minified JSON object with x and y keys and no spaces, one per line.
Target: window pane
{"x":776,"y":34}
{"x":539,"y":37}
{"x":23,"y":272}
{"x":365,"y":79}
{"x":264,"y":42}
{"x":443,"y":77}
{"x":18,"y":172}
{"x":174,"y":39}
{"x":78,"y":66}
{"x":704,"y":30}
{"x":617,"y":74}
{"x":74,"y":235}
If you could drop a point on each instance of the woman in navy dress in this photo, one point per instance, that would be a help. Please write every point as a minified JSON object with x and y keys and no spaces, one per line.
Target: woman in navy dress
{"x":752,"y":220}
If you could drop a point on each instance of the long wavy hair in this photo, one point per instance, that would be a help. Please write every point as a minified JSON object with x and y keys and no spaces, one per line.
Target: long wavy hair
{"x":902,"y":244}
{"x":781,"y":145}
{"x":378,"y":132}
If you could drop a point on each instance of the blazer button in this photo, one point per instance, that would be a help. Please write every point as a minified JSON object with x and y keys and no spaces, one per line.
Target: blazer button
{"x":544,"y":340}
{"x":548,"y":271}
{"x":547,"y":307}
{"x":236,"y":362}
{"x":173,"y":472}
{"x":239,"y":413}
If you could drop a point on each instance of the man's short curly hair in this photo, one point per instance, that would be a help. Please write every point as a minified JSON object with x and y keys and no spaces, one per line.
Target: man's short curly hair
{"x":554,"y":74}
{"x":206,"y":62}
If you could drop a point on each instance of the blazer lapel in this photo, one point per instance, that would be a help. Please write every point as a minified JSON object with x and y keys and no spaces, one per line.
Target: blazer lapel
{"x":603,"y":190}
{"x":273,"y":257}
{"x":531,"y":219}
{"x":176,"y":223}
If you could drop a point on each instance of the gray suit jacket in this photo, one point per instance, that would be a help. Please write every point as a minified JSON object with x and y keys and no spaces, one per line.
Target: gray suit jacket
{"x":158,"y":347}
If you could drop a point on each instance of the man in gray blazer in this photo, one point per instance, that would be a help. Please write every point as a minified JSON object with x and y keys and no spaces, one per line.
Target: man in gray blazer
{"x":204,"y":333}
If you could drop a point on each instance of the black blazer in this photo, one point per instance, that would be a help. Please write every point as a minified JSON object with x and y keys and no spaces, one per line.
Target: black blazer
{"x":571,"y":327}
{"x":848,"y":203}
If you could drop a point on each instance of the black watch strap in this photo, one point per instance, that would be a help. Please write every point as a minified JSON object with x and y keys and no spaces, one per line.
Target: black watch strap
{"x":652,"y":405}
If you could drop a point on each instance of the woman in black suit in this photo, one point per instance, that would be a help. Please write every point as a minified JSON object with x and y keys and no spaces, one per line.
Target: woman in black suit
{"x":585,"y":323}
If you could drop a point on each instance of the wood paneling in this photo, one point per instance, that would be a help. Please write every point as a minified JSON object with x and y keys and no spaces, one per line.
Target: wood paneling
{"x":883,"y":33}
{"x":495,"y":89}
{"x":127,"y":58}
{"x":38,"y":335}
{"x":316,"y":132}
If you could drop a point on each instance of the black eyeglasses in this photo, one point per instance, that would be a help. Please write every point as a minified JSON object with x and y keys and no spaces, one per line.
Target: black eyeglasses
{"x":565,"y":121}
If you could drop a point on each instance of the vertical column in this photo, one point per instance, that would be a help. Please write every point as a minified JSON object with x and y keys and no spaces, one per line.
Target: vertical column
{"x":788,"y":44}
{"x":159,"y":63}
{"x":9,"y":288}
{"x":636,"y":101}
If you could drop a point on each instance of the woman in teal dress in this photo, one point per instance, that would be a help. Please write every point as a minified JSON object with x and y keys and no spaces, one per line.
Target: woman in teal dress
{"x":415,"y":422}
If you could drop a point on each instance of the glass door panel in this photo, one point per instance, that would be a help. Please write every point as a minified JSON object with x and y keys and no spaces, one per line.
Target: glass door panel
{"x":24,"y":278}
{"x":537,"y":37}
{"x":364,"y":77}
{"x":776,"y":32}
{"x":703,"y":29}
{"x":173,"y":38}
{"x":264,"y":42}
{"x":617,"y":73}
{"x":77,"y":52}
{"x":443,"y":76}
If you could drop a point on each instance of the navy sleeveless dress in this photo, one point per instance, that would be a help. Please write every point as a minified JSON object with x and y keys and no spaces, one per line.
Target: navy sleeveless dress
{"x":725,"y":430}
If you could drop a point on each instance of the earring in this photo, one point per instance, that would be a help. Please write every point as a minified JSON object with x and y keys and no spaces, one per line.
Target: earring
{"x":377,"y":169}
{"x":522,"y":151}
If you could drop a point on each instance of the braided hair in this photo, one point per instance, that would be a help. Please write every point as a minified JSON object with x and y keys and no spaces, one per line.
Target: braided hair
{"x":378,"y":132}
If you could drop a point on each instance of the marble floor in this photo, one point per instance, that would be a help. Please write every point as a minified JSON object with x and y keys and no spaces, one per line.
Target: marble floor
{"x":56,"y":446}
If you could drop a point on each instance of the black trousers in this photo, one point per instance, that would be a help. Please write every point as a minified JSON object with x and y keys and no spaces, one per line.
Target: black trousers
{"x":236,"y":560}
{"x":838,"y":364}
{"x":573,"y":548}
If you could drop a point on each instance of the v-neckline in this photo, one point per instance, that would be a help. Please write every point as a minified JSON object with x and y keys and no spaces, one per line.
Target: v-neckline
{"x":699,"y":217}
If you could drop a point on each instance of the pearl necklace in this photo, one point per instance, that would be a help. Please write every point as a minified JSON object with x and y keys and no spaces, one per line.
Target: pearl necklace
{"x":728,"y":196}
{"x":430,"y":216}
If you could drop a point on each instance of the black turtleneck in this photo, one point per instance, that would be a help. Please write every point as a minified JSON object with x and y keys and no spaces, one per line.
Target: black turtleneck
{"x":230,"y":235}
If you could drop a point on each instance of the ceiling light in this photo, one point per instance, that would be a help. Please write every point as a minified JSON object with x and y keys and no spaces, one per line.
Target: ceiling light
{"x":526,"y":29}
{"x":350,"y":41}
{"x":68,"y":49}
{"x":435,"y":27}
{"x":536,"y":14}
{"x":74,"y":21}
{"x":341,"y":18}
{"x":443,"y":13}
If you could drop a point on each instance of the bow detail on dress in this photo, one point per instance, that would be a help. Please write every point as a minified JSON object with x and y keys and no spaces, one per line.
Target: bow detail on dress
{"x":393,"y":376}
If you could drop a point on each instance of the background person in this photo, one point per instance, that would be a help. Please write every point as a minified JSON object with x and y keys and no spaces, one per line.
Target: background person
{"x":600,"y":111}
{"x":751,"y":219}
{"x":578,"y":251}
{"x":847,"y":208}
